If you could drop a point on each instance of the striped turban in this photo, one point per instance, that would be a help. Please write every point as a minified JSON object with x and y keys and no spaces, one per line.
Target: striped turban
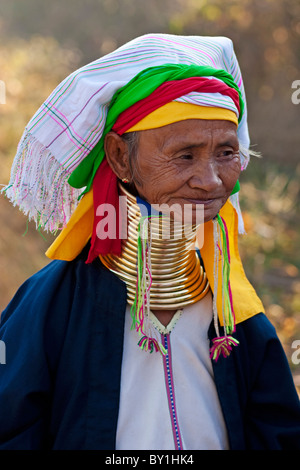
{"x":62,"y":150}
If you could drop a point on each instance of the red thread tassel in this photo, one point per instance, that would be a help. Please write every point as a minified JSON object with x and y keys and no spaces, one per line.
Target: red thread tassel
{"x":222,"y":345}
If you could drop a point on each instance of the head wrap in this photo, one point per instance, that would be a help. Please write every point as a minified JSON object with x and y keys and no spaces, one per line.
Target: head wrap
{"x":63,"y":141}
{"x":143,"y":95}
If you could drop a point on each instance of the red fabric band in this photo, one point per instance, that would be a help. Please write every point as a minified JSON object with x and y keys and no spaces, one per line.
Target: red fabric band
{"x":167,"y":92}
{"x":105,"y":191}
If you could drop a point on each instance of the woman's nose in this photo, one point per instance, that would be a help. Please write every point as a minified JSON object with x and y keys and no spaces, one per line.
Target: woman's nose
{"x":206,"y":177}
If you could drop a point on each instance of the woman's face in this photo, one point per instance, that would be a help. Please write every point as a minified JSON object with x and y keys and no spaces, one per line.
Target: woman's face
{"x":187,"y":164}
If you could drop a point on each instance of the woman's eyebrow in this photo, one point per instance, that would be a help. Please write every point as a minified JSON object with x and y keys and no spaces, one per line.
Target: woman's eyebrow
{"x":175,"y":145}
{"x":231,"y":142}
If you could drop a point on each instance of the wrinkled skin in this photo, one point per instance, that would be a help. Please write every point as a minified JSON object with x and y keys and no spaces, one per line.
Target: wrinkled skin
{"x":189,"y":162}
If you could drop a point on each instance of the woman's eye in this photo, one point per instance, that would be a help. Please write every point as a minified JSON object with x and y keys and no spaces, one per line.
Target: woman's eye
{"x":227,"y":153}
{"x":186,"y":156}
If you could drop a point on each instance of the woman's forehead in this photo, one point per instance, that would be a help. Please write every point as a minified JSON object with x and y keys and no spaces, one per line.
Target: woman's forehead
{"x":193,"y":132}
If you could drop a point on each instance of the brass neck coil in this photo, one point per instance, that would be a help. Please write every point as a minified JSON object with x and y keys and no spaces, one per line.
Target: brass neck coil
{"x":178,"y":278}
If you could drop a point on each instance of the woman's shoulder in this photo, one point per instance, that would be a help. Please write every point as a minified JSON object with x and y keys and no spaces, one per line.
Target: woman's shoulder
{"x":56,"y":287}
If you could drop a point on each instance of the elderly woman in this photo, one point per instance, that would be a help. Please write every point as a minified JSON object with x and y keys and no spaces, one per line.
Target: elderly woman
{"x":143,"y":332}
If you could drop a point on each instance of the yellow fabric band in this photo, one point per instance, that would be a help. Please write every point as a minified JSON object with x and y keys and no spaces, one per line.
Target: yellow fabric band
{"x":177,"y":111}
{"x":75,"y":235}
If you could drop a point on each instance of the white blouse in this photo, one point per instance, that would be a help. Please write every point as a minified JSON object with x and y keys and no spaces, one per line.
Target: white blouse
{"x":170,"y":402}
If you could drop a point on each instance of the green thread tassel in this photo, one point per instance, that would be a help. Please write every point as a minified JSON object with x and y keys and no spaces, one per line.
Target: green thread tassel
{"x":222,"y":345}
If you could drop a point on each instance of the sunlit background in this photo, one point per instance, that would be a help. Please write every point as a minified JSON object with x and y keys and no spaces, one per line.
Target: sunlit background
{"x":42,"y":42}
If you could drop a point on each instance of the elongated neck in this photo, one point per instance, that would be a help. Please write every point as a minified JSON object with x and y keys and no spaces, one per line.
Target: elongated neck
{"x":167,"y":249}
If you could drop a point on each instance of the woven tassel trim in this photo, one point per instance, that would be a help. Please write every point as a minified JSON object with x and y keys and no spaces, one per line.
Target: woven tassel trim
{"x":222,"y":345}
{"x":39,"y":186}
{"x":151,"y":345}
{"x":140,"y":309}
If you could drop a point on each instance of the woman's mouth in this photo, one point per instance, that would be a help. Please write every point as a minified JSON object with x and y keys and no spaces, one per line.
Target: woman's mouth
{"x":205,"y":202}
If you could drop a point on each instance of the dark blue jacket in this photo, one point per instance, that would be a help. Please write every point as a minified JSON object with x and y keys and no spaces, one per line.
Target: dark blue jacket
{"x":59,"y":389}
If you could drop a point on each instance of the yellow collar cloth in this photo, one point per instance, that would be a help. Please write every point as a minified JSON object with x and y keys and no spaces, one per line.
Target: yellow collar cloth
{"x":71,"y":241}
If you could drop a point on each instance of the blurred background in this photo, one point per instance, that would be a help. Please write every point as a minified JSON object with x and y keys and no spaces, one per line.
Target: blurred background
{"x":42,"y":42}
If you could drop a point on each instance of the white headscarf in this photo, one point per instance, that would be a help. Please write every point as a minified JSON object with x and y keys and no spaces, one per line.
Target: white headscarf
{"x":71,"y":121}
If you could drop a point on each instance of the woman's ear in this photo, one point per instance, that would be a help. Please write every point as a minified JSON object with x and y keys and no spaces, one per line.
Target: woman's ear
{"x":117,"y":155}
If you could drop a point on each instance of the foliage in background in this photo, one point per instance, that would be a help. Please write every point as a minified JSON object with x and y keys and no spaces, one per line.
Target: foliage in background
{"x":270,"y":249}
